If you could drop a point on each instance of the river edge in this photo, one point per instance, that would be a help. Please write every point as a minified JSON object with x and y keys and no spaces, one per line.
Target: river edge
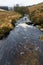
{"x":4,"y":35}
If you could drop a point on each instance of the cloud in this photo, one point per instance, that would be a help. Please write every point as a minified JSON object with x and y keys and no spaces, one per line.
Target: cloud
{"x":21,"y":2}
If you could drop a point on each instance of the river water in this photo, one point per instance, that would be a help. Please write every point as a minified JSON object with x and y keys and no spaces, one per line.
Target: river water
{"x":22,"y":46}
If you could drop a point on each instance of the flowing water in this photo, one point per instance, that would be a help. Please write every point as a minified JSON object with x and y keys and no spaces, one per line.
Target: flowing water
{"x":22,"y":46}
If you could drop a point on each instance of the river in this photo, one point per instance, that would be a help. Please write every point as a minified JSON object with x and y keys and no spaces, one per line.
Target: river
{"x":22,"y":46}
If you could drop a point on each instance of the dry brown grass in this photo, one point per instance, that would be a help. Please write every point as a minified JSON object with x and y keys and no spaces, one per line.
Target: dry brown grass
{"x":36,"y":14}
{"x":6,"y":18}
{"x":36,"y":8}
{"x":36,"y":11}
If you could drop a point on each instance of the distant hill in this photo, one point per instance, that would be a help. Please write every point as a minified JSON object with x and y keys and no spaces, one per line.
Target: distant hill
{"x":36,"y":13}
{"x":2,"y":10}
{"x":4,"y":7}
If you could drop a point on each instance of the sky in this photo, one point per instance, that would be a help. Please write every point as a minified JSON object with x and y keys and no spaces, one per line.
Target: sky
{"x":20,"y":2}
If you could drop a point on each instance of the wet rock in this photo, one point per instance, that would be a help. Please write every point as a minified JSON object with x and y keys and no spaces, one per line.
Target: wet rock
{"x":21,"y":53}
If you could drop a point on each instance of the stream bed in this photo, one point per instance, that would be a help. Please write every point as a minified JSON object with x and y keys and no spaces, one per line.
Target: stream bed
{"x":22,"y":46}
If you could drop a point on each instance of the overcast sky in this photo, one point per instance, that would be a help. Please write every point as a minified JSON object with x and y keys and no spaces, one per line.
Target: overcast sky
{"x":21,"y":2}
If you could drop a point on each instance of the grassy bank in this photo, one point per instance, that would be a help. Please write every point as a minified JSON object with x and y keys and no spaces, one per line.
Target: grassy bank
{"x":7,"y":19}
{"x":36,"y":14}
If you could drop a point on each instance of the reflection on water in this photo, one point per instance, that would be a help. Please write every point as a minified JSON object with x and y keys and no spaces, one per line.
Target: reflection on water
{"x":22,"y":46}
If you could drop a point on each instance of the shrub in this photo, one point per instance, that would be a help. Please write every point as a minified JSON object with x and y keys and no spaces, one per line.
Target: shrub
{"x":41,"y":20}
{"x":13,"y":22}
{"x":42,"y":25}
{"x":1,"y":31}
{"x":41,"y":10}
{"x":22,"y":10}
{"x":6,"y":29}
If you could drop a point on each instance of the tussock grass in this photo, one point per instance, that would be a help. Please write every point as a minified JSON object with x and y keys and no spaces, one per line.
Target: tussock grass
{"x":6,"y":18}
{"x":36,"y":14}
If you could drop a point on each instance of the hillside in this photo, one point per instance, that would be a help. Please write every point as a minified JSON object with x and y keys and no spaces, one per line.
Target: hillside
{"x":36,"y":14}
{"x":36,"y":7}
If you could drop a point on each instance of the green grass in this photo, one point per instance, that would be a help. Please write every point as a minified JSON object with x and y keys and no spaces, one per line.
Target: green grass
{"x":4,"y":32}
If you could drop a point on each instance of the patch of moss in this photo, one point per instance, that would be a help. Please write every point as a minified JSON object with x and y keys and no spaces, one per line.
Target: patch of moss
{"x":4,"y":32}
{"x":6,"y":29}
{"x":41,"y":37}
